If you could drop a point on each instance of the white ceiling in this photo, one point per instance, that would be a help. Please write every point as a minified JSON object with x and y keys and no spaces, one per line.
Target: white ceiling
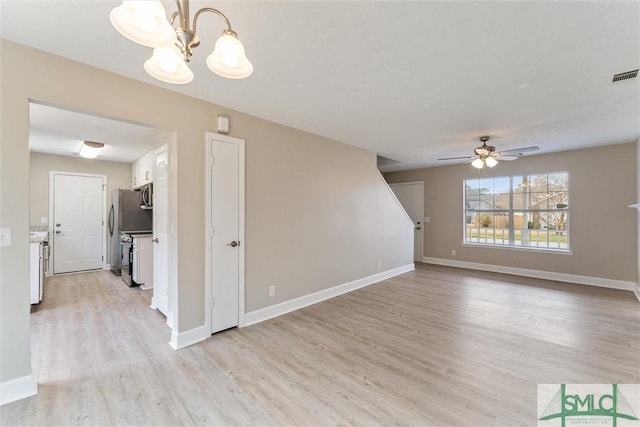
{"x":62,"y":132}
{"x":412,"y":81}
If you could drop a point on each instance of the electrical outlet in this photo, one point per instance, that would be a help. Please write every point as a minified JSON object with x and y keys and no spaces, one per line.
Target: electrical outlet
{"x":379,"y":264}
{"x":272,"y":290}
{"x":43,"y":220}
{"x":453,"y":252}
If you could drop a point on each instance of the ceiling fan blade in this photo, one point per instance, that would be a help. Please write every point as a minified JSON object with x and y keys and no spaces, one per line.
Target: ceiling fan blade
{"x":459,"y":158}
{"x":518,"y":151}
{"x":507,"y":157}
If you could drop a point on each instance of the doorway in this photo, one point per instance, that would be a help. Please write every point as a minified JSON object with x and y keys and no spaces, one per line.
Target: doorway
{"x":77,"y":211}
{"x":225,"y":243}
{"x":411,"y":197}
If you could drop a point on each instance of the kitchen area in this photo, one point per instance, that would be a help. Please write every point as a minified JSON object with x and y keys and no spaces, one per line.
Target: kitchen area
{"x":131,"y":230}
{"x":125,"y":220}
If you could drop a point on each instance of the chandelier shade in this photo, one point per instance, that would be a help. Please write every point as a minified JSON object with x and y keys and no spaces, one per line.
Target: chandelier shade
{"x":481,"y":162}
{"x":490,"y":161}
{"x":145,"y":22}
{"x":478,"y":163}
{"x":166,"y":64}
{"x":228,"y":58}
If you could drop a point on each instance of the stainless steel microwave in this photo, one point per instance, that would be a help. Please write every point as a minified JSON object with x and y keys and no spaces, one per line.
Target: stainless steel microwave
{"x":146,"y":196}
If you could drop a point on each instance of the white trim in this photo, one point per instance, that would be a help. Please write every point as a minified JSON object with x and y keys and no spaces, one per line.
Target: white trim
{"x":535,"y":249}
{"x":192,"y":336}
{"x":636,"y":291}
{"x":18,"y":388}
{"x":538,"y":274}
{"x":209,"y":137}
{"x":170,"y":320}
{"x":396,"y":198}
{"x":316,"y":297}
{"x":105,"y":187}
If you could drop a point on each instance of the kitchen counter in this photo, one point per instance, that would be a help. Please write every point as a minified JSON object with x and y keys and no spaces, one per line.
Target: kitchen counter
{"x":138,"y":235}
{"x":38,"y":236}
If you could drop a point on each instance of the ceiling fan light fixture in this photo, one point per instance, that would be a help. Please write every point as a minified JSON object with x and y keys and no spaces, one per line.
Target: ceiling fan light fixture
{"x":90,"y":149}
{"x":145,"y":22}
{"x":481,"y":151}
{"x":490,"y":161}
{"x":166,"y":64}
{"x":478,"y":163}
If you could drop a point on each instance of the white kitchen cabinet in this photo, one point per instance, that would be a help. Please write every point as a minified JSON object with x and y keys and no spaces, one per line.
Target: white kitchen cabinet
{"x":142,"y":269}
{"x":142,"y":170}
{"x":36,"y":271}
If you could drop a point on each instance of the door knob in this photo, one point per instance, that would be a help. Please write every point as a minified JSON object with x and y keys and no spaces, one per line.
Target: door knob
{"x":233,"y":244}
{"x":155,"y":240}
{"x":57,"y":225}
{"x":57,"y":231}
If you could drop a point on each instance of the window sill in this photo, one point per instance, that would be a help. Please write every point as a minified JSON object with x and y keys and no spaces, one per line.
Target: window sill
{"x":521,"y":248}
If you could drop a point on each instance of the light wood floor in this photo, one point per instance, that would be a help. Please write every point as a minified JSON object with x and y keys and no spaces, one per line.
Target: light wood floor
{"x":438,"y":346}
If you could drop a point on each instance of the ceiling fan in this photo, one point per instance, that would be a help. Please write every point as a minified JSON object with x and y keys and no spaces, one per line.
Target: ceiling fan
{"x":486,"y":155}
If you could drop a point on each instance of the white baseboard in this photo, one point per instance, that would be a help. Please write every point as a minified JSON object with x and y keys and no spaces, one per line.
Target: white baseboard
{"x":538,"y":274}
{"x":192,"y":336}
{"x":316,"y":297}
{"x":18,"y":388}
{"x":170,"y":320}
{"x":636,"y":290}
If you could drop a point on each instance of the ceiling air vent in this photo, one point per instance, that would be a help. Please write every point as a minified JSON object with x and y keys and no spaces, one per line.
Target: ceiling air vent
{"x":626,"y":75}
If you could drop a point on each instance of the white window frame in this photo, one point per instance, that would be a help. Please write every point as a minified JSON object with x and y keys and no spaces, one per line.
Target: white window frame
{"x":510,"y":212}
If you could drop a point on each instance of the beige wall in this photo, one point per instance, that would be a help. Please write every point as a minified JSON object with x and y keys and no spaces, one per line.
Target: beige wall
{"x":40,"y":164}
{"x":317,"y":215}
{"x":603,"y":230}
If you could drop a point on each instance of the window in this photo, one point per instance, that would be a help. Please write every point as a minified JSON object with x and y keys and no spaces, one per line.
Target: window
{"x":528,"y":211}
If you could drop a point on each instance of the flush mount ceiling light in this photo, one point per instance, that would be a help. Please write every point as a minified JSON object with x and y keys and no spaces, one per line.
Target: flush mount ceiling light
{"x":90,"y":149}
{"x":145,"y":22}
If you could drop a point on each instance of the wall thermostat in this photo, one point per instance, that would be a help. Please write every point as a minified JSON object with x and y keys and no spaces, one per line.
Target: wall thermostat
{"x":223,"y":124}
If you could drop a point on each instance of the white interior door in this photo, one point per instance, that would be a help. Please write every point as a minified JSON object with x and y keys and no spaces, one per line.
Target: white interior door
{"x":160,"y":298}
{"x":226,"y":216}
{"x":78,"y":222}
{"x":411,"y":196}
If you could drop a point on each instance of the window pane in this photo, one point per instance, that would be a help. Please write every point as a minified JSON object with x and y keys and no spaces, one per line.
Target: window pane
{"x":538,"y":183}
{"x":517,"y":186}
{"x":501,"y":201}
{"x":538,"y":200}
{"x":537,"y":205}
{"x":538,"y":229}
{"x":558,"y":182}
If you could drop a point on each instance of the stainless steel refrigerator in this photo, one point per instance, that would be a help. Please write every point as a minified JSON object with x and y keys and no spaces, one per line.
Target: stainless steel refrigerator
{"x":126,"y":216}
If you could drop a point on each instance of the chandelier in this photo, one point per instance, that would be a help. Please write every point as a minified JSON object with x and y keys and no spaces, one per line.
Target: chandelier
{"x":145,"y":22}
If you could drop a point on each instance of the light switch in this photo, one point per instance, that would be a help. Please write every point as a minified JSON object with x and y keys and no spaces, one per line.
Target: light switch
{"x":43,"y":220}
{"x":427,"y":219}
{"x":5,"y":237}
